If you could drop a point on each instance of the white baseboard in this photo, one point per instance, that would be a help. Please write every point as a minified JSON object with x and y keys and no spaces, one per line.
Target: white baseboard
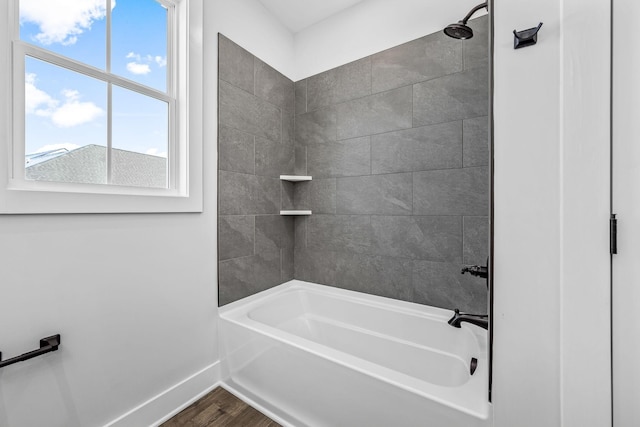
{"x":165,"y":405}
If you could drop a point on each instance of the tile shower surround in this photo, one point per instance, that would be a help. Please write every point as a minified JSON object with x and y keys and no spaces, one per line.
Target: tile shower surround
{"x":397,"y":144}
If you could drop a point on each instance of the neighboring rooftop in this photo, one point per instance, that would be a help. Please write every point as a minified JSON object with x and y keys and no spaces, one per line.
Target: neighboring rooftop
{"x":88,"y":165}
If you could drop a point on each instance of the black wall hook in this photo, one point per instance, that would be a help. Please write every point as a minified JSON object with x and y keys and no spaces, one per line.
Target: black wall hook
{"x":526,"y":38}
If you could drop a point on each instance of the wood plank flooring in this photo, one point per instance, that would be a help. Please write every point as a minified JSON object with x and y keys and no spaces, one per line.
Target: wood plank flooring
{"x":217,"y":409}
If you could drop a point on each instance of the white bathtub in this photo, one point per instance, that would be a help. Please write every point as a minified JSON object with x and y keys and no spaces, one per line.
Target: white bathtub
{"x":317,"y":356}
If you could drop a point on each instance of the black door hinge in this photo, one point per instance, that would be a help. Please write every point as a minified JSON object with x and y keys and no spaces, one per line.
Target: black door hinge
{"x":613,"y":234}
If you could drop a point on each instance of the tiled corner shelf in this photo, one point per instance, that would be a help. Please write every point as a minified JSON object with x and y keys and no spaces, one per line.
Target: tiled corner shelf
{"x":295,"y":212}
{"x":295,"y":178}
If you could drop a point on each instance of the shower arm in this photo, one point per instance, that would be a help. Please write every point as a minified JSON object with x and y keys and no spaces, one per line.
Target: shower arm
{"x":474,"y":10}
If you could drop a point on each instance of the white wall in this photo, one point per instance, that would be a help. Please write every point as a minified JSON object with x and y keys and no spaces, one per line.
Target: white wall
{"x":370,"y":27}
{"x":134,"y":296}
{"x":551,"y":319}
{"x":250,"y":25}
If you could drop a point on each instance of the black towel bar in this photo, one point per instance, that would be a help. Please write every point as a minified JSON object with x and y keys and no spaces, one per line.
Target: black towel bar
{"x":47,"y":345}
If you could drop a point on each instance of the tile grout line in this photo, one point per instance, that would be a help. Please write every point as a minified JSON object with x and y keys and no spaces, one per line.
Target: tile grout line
{"x":388,"y":90}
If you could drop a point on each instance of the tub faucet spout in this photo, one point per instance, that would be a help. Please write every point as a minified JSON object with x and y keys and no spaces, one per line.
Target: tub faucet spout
{"x":481,"y":320}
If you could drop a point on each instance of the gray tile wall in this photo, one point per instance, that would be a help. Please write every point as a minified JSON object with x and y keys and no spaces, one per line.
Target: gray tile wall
{"x":397,"y":144}
{"x":255,"y":146}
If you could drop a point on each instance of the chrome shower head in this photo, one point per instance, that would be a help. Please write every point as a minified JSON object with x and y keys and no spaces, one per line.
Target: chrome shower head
{"x":461,"y":30}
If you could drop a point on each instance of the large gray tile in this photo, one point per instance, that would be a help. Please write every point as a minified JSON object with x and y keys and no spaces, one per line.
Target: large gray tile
{"x":344,"y":233}
{"x":475,"y":240}
{"x":288,"y":128}
{"x":454,"y":97}
{"x":318,"y":195}
{"x":235,"y":193}
{"x":476,"y":49}
{"x":267,"y":195}
{"x":241,"y":277}
{"x":235,"y":279}
{"x":476,"y":141}
{"x":300,"y":153}
{"x":383,"y":276}
{"x":423,"y":148}
{"x":441,"y":285}
{"x":288,"y":195}
{"x":315,"y":266}
{"x":433,"y":238}
{"x":451,"y":192}
{"x":316,"y":127}
{"x":301,"y":96}
{"x":235,"y":65}
{"x":267,"y":269}
{"x":288,"y":267}
{"x":274,"y":87}
{"x":235,"y":236}
{"x":242,"y":194}
{"x":236,"y":151}
{"x":344,"y":158}
{"x":432,"y":56}
{"x":288,"y":236}
{"x":243,"y":111}
{"x":300,"y":232}
{"x":274,"y":232}
{"x":382,"y":112}
{"x":375,"y":194}
{"x":273,"y":158}
{"x":344,"y":83}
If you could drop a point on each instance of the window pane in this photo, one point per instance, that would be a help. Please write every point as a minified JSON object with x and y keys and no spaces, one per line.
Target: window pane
{"x":65,"y":125}
{"x":139,"y":42}
{"x":76,"y":29}
{"x":139,"y":140}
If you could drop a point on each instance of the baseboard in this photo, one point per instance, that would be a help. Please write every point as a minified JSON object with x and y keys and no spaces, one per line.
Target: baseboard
{"x":165,"y":405}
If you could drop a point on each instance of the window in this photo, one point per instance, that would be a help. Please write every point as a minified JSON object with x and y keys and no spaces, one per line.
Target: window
{"x":100,"y":106}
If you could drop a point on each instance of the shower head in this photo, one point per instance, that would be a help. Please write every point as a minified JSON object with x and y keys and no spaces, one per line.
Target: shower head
{"x":461,"y":30}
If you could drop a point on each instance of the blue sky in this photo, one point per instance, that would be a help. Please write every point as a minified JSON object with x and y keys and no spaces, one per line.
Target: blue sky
{"x":65,"y":109}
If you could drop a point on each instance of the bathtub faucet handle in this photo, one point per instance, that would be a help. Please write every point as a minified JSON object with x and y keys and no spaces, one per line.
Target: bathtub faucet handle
{"x":476,"y":270}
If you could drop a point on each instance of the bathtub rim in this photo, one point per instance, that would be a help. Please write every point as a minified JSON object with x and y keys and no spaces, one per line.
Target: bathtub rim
{"x":453,"y":397}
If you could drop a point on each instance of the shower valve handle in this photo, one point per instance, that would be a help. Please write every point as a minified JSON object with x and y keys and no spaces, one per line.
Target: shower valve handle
{"x":476,"y":270}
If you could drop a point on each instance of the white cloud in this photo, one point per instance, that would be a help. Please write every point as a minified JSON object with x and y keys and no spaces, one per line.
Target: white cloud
{"x":62,"y":21}
{"x":162,"y":62}
{"x":156,"y":152}
{"x":142,"y":64}
{"x":50,"y":147}
{"x":137,"y":68}
{"x":35,"y":98}
{"x":71,"y":113}
{"x":134,"y":55}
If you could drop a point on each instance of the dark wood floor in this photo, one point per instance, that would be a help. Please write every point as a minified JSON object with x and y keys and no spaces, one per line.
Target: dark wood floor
{"x":220,"y":408}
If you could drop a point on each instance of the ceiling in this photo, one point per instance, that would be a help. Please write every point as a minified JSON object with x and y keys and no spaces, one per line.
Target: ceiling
{"x":297,"y":15}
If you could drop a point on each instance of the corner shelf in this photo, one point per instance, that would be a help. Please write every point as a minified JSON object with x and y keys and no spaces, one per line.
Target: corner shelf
{"x":295,"y":212}
{"x":295,"y":178}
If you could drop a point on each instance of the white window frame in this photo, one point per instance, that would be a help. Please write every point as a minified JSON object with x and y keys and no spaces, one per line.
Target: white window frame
{"x":185,"y":100}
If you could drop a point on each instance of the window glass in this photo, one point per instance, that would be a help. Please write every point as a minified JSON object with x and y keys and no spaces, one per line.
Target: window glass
{"x":65,"y":125}
{"x":140,"y":139}
{"x":139,"y":42}
{"x":75,"y":29}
